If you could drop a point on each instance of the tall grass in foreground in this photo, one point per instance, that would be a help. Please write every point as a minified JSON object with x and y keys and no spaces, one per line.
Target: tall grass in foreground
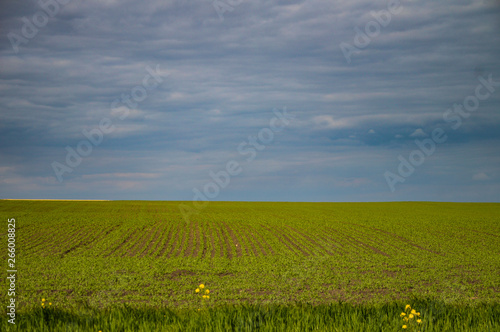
{"x":436,"y":316}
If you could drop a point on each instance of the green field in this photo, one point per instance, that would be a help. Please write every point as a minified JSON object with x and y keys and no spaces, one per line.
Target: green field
{"x":96,"y":256}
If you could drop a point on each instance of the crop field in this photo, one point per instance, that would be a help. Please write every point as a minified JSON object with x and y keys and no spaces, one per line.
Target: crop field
{"x":143,"y":254}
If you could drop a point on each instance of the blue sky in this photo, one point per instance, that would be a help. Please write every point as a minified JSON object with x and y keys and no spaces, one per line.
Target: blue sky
{"x":221,"y":69}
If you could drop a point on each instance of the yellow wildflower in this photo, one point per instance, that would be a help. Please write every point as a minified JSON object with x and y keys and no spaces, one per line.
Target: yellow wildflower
{"x":50,"y":303}
{"x":208,"y":297}
{"x":419,"y":321}
{"x":202,"y":286}
{"x":403,"y":314}
{"x":407,"y":307}
{"x":43,"y":300}
{"x":207,"y":291}
{"x":413,"y":311}
{"x":405,"y":319}
{"x":418,"y":314}
{"x":197,"y":290}
{"x":404,"y":326}
{"x":411,"y":316}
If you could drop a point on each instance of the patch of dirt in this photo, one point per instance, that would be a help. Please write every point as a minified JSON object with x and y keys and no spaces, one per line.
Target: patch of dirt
{"x":176,"y":275}
{"x":225,"y":274}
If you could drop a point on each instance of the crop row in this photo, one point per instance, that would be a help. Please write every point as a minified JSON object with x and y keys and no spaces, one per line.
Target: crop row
{"x":212,"y":238}
{"x":156,"y":229}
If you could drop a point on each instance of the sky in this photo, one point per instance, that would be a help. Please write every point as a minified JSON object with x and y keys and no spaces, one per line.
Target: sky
{"x":238,"y":100}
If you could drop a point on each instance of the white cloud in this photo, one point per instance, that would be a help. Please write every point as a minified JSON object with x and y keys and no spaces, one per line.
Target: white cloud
{"x":418,"y":133}
{"x":480,"y":177}
{"x":327,"y":121}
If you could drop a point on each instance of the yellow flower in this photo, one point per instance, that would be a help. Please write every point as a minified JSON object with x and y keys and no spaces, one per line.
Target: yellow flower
{"x":418,"y":314}
{"x":403,"y":314}
{"x":413,"y":311}
{"x":43,"y":300}
{"x":207,"y":291}
{"x":405,"y":319}
{"x":202,"y":286}
{"x":204,"y":296}
{"x":411,"y":316}
{"x":50,"y":303}
{"x":208,"y":297}
{"x":404,"y":326}
{"x":407,"y":307}
{"x":197,"y":290}
{"x":419,"y":321}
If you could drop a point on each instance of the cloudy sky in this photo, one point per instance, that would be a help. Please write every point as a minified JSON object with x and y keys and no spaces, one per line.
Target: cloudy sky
{"x":177,"y":89}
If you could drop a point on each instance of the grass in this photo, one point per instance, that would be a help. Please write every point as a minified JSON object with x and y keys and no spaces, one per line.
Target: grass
{"x":436,"y":316}
{"x":89,"y":259}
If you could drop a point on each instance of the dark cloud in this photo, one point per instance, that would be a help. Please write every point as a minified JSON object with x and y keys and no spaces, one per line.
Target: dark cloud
{"x":221,"y":81}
